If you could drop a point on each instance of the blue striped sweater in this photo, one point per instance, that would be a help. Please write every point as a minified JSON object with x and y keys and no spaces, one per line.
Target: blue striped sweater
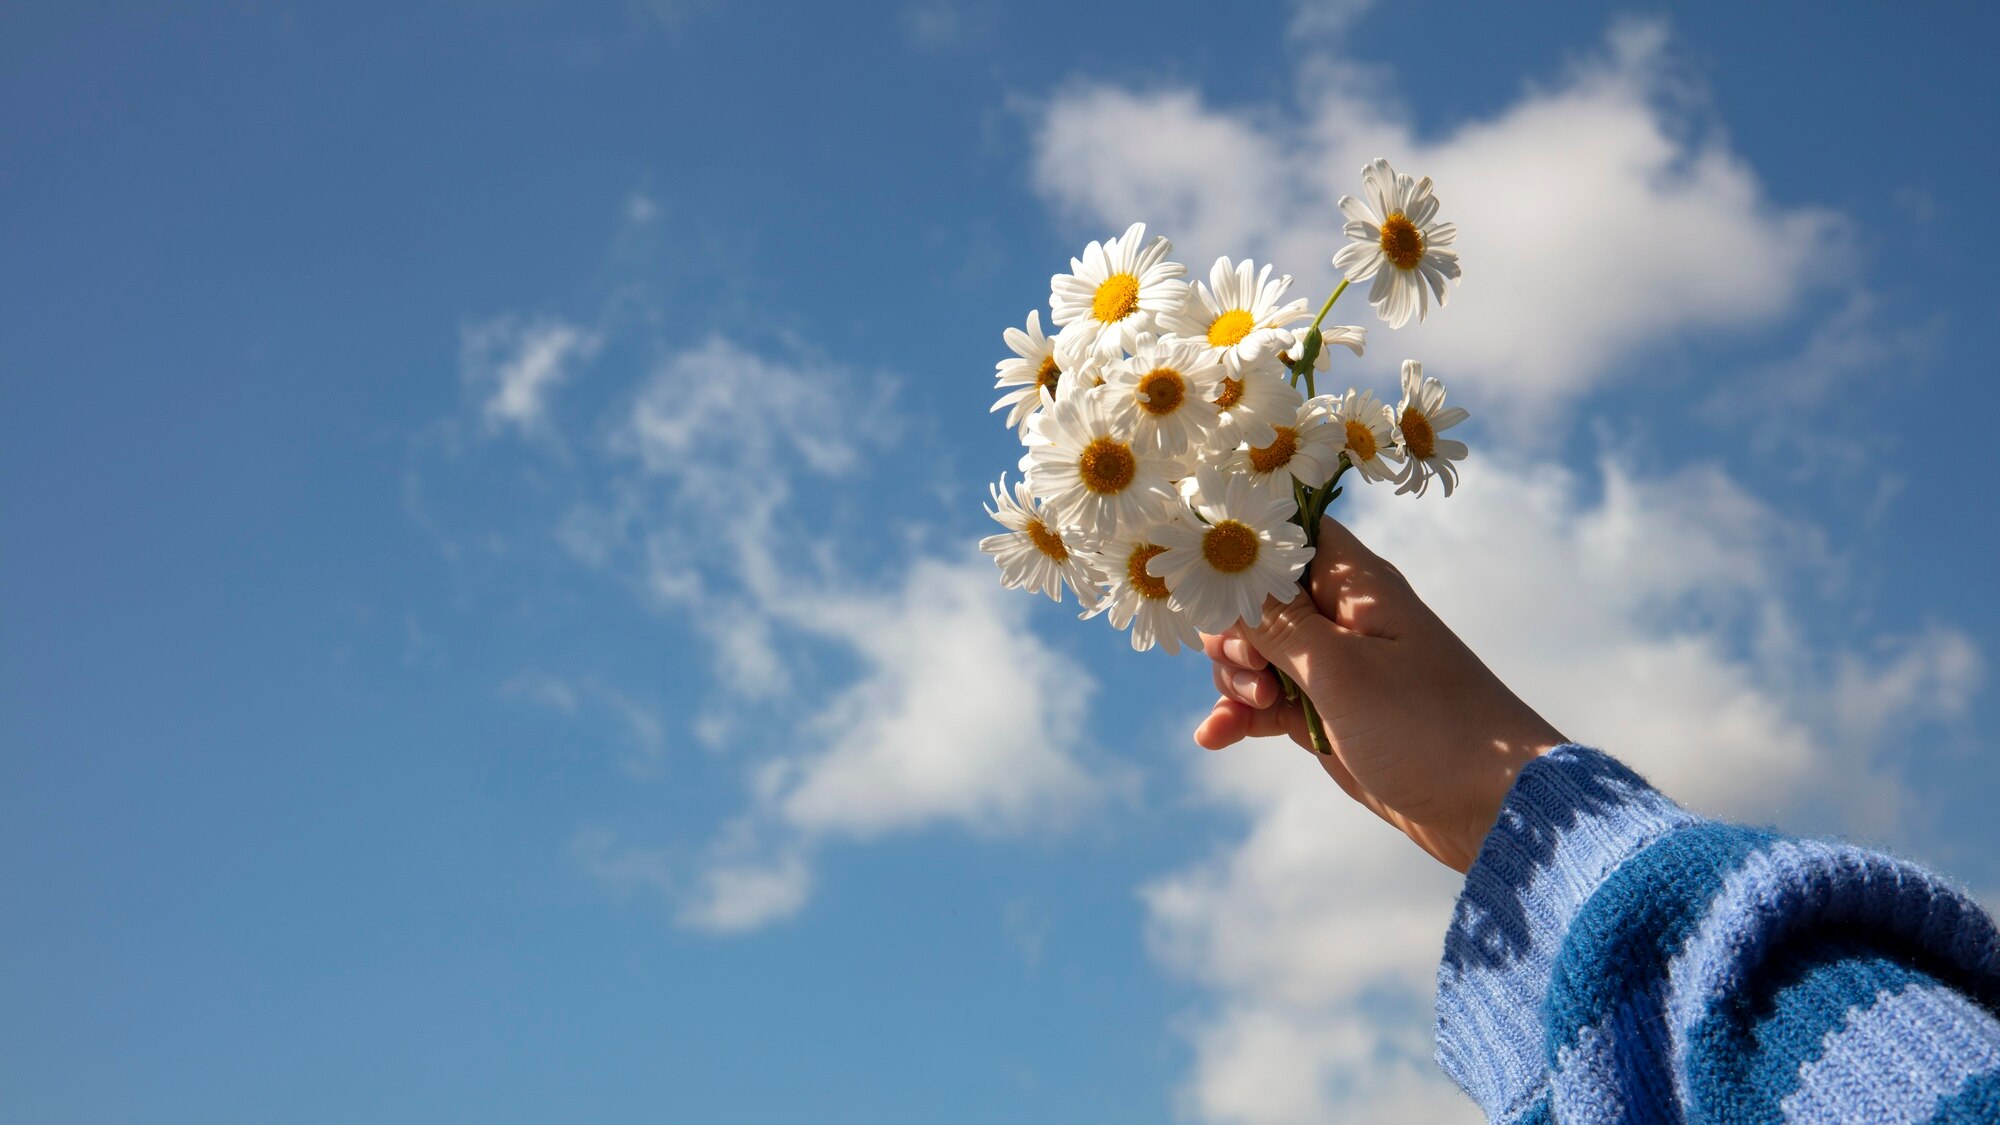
{"x":1614,"y":957}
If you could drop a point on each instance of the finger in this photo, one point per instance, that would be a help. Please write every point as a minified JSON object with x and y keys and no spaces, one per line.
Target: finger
{"x":1220,"y":673}
{"x":1357,"y":589}
{"x":1299,"y":640}
{"x":1223,"y":727}
{"x":1259,"y":689}
{"x":1237,"y":646}
{"x":1232,"y":647}
{"x":1338,"y":541}
{"x":1254,"y":689}
{"x":1231,"y":722}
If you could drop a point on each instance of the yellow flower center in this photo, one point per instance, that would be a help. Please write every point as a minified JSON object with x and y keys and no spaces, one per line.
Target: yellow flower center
{"x":1116,"y":299}
{"x":1278,"y":454}
{"x":1161,"y":391}
{"x":1143,"y":580}
{"x":1360,"y":440}
{"x":1047,"y":541}
{"x":1048,"y":375}
{"x":1230,"y":547}
{"x":1418,"y":436}
{"x":1402,"y":242}
{"x":1231,"y":393}
{"x":1230,"y":328}
{"x":1107,"y":466}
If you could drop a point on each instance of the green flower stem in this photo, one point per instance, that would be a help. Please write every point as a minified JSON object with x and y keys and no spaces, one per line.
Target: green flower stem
{"x":1315,"y":730}
{"x":1307,"y":357}
{"x":1328,"y":307}
{"x":1309,"y":352}
{"x":1311,"y":507}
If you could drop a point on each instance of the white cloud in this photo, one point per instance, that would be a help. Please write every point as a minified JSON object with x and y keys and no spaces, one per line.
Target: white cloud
{"x":735,"y":887}
{"x":1933,"y":672}
{"x":515,"y":366}
{"x":963,"y":714}
{"x":737,"y":896}
{"x":935,"y":728}
{"x":1594,"y":220}
{"x":1317,"y":932}
{"x":718,"y":465}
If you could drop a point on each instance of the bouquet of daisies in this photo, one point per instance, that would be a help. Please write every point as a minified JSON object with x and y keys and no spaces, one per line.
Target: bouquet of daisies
{"x":1179,"y":455}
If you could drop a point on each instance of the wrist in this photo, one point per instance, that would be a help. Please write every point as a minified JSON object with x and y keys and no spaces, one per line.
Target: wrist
{"x":1500,"y":764}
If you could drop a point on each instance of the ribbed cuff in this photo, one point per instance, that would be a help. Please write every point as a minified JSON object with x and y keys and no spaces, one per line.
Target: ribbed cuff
{"x":1571,"y":818}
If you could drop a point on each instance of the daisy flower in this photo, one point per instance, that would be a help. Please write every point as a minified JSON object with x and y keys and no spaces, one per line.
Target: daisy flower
{"x":1248,"y":551}
{"x":1166,"y":393}
{"x":1241,"y":314}
{"x":1139,"y":600}
{"x":1398,"y":242}
{"x":1088,"y":471}
{"x":1367,"y":431}
{"x":1032,"y":554}
{"x":1419,"y":420}
{"x":1251,"y":404}
{"x":1306,"y":449}
{"x":1034,"y":368}
{"x":1117,"y":290}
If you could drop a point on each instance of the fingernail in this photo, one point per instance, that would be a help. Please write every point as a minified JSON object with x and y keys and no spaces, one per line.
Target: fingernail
{"x":1245,"y":684}
{"x":1239,"y":651}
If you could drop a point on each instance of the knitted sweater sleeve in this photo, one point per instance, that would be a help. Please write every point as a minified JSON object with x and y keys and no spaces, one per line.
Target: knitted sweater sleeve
{"x":1616,"y":958}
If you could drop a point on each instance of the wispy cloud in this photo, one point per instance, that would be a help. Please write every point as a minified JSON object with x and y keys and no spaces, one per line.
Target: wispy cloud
{"x":514,"y":367}
{"x":642,"y":729}
{"x":1316,"y":21}
{"x":939,"y":26}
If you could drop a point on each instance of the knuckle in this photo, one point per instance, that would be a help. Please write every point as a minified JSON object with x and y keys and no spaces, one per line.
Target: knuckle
{"x":1285,"y":628}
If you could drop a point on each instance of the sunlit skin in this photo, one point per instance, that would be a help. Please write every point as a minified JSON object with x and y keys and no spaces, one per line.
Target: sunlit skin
{"x":1423,"y":733}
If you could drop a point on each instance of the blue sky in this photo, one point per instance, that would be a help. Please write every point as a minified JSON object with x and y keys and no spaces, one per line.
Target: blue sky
{"x":487,"y":622}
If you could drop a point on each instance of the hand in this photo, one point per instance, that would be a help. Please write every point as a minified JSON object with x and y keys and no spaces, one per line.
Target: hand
{"x":1422,"y":732}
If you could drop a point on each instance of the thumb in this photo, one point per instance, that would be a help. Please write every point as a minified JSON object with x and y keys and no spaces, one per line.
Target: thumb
{"x":1298,"y":639}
